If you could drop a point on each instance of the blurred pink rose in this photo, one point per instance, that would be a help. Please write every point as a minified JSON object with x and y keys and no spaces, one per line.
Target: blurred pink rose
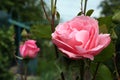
{"x":79,"y":38}
{"x":29,"y":49}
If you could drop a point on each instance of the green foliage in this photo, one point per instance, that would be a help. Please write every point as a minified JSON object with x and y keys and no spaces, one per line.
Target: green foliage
{"x":116,"y":17}
{"x":6,"y":53}
{"x":4,"y":65}
{"x":58,"y":16}
{"x":46,"y":63}
{"x":106,"y":54}
{"x":103,"y":72}
{"x":28,"y":10}
{"x":89,"y":12}
{"x":109,"y":7}
{"x":105,"y":23}
{"x":41,"y":31}
{"x":46,"y":68}
{"x":79,"y":13}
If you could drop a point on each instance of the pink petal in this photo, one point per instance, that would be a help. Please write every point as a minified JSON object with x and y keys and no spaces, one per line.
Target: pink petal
{"x":82,"y":36}
{"x":104,"y":39}
{"x":69,"y":54}
{"x":91,"y":57}
{"x":64,"y":46}
{"x":80,"y":50}
{"x":92,"y":39}
{"x":83,"y":53}
{"x":96,"y":50}
{"x":76,"y":25}
{"x":23,"y":50}
{"x":30,"y":41}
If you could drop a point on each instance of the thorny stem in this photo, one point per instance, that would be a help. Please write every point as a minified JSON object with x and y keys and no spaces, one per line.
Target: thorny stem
{"x":53,"y":7}
{"x":94,"y":77}
{"x":85,"y":6}
{"x":17,"y":64}
{"x":53,"y":29}
{"x":42,"y":3}
{"x":77,"y":78}
{"x":55,"y":2}
{"x":62,"y":76}
{"x":82,"y":62}
{"x":82,"y":6}
{"x":25,"y":72}
{"x":82,"y":70}
{"x":115,"y":65}
{"x":52,"y":21}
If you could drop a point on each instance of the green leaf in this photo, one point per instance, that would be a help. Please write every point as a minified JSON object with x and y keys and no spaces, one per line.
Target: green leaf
{"x":24,"y":33}
{"x":41,"y":31}
{"x":106,"y":54}
{"x":89,"y":12}
{"x":103,"y":28}
{"x":58,"y":16}
{"x":116,"y":17}
{"x":117,"y":30}
{"x":114,"y":35}
{"x":107,"y":21}
{"x":80,"y":13}
{"x":103,"y":72}
{"x":20,"y":58}
{"x":10,"y":3}
{"x":58,"y":67}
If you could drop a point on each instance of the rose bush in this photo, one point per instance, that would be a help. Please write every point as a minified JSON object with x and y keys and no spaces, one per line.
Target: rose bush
{"x":79,"y":38}
{"x":29,"y":49}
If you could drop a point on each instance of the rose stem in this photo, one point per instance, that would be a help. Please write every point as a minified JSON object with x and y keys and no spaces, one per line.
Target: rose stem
{"x":17,"y":64}
{"x":42,"y":3}
{"x":85,"y":6}
{"x":94,"y":77}
{"x":82,"y":6}
{"x":53,"y":10}
{"x":114,"y":62}
{"x":62,"y":76}
{"x":51,"y":21}
{"x":25,"y":72}
{"x":53,"y":17}
{"x":82,"y":69}
{"x":77,"y":78}
{"x":115,"y":65}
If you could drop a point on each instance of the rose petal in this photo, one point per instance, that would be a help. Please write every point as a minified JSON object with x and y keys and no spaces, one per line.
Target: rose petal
{"x":96,"y":50}
{"x":82,"y":36}
{"x":23,"y":50}
{"x":64,"y":46}
{"x":91,"y":57}
{"x":31,"y":41}
{"x":80,"y":50}
{"x":69,"y":54}
{"x":104,"y":39}
{"x":92,"y":39}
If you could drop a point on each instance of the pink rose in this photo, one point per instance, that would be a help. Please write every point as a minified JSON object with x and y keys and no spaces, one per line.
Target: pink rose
{"x":29,"y":49}
{"x":79,"y":38}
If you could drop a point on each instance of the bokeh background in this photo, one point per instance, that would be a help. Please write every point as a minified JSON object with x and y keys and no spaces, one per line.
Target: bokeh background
{"x":25,"y":19}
